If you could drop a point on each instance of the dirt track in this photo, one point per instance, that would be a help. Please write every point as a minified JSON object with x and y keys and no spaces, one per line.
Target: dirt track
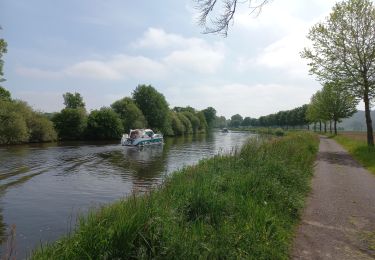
{"x":339,"y":218}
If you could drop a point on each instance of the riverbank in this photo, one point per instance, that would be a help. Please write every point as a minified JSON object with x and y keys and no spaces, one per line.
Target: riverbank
{"x":356,"y":145}
{"x":262,"y":130}
{"x":243,"y":205}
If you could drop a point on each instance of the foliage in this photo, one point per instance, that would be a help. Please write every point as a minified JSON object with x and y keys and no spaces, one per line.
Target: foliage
{"x":3,"y":49}
{"x":194,"y":120}
{"x":20,"y":124}
{"x":186,"y":122}
{"x":4,"y":94}
{"x":333,"y":102}
{"x":203,"y":125}
{"x":343,"y":51}
{"x":220,"y":122}
{"x":41,"y":129}
{"x":70,"y":123}
{"x":236,"y":120}
{"x":210,"y":115}
{"x":153,"y":105}
{"x":13,"y":127}
{"x":130,"y":115}
{"x":73,"y":100}
{"x":104,"y":124}
{"x":177,"y":126}
{"x":240,"y":206}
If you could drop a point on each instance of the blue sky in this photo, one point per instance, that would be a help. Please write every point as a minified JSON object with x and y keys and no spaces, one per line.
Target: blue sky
{"x":104,"y":49}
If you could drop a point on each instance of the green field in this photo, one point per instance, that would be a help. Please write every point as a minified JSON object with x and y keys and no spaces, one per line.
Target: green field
{"x":244,"y":205}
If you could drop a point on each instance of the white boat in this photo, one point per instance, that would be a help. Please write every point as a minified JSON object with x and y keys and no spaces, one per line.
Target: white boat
{"x":141,"y":137}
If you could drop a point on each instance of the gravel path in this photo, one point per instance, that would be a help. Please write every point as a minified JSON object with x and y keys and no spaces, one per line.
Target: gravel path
{"x":339,"y":218}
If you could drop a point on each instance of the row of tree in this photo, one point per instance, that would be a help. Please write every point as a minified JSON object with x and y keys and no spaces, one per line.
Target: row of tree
{"x":342,"y":57}
{"x":284,"y":119}
{"x":331,"y":104}
{"x":146,"y":108}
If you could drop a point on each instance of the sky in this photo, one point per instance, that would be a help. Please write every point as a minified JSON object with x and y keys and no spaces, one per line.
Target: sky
{"x":104,"y":49}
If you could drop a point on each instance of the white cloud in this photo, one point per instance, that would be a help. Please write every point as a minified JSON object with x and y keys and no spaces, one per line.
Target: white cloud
{"x":183,"y":54}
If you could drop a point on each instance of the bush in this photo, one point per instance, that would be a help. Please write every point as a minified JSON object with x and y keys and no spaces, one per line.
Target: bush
{"x":70,"y":123}
{"x":104,"y":124}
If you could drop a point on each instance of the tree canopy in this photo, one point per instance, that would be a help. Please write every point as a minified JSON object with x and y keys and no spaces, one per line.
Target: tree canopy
{"x":343,"y":50}
{"x":153,"y":105}
{"x":73,"y":100}
{"x":104,"y":124}
{"x":3,"y":50}
{"x":130,"y":114}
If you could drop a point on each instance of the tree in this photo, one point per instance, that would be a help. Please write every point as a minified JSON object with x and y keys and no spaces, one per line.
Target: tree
{"x":70,"y":123}
{"x":3,"y":50}
{"x":203,"y":126}
{"x":246,"y":121}
{"x":153,"y":105}
{"x":131,"y":116}
{"x":343,"y":51}
{"x":73,"y":100}
{"x":177,"y":126}
{"x":186,"y":122}
{"x":104,"y":124}
{"x":220,"y":23}
{"x":41,"y":129}
{"x":336,"y":103}
{"x":210,"y":115}
{"x":5,"y":94}
{"x":236,"y":120}
{"x":220,"y":122}
{"x":194,"y":120}
{"x":13,"y":128}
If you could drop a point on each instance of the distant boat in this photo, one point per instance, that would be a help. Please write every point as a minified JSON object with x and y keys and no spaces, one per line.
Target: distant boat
{"x":225,"y":130}
{"x":141,"y":137}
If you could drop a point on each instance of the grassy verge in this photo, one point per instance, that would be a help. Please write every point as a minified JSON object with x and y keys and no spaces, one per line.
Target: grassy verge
{"x":243,"y":205}
{"x":360,"y":151}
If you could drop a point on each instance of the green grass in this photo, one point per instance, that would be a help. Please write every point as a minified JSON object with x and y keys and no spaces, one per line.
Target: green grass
{"x":244,"y":205}
{"x":262,"y":130}
{"x":360,"y":151}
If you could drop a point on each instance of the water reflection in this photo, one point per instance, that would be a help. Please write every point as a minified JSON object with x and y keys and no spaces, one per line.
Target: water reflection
{"x":43,"y":186}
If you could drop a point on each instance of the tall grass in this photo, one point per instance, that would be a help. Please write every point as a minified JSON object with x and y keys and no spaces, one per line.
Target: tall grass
{"x":243,"y":205}
{"x":360,"y":151}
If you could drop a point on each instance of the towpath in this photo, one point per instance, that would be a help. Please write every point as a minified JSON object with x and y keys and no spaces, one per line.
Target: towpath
{"x":339,"y":219}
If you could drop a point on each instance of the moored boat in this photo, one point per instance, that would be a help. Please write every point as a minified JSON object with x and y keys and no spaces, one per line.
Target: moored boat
{"x":141,"y":137}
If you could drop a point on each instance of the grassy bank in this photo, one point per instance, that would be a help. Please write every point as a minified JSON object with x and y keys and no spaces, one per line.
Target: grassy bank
{"x":359,"y":149}
{"x":243,"y":205}
{"x":262,"y":130}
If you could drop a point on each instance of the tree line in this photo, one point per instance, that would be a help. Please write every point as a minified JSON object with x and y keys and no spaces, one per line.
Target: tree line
{"x":19,"y":123}
{"x":294,"y":118}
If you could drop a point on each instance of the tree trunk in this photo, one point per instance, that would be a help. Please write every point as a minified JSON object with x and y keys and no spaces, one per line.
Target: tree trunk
{"x":370,"y":133}
{"x":314,"y":126}
{"x":325,"y":127}
{"x":320,"y":126}
{"x":308,"y":127}
{"x":335,"y":126}
{"x":330,"y":126}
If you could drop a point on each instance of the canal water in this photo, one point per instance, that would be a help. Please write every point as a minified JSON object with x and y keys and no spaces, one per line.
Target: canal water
{"x":44,"y":187}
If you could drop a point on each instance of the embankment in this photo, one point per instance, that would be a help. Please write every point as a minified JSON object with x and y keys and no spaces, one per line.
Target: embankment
{"x":244,"y":205}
